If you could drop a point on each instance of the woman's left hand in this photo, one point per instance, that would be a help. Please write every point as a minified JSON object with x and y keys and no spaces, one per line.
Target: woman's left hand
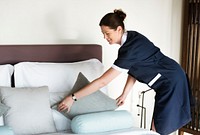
{"x":121,"y":100}
{"x":66,"y":104}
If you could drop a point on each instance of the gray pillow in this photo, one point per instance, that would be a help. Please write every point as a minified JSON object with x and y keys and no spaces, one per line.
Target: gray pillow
{"x":3,"y":109}
{"x":95,"y":102}
{"x":30,"y":111}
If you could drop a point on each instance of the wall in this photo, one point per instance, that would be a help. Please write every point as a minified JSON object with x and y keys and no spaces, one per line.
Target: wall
{"x":67,"y":21}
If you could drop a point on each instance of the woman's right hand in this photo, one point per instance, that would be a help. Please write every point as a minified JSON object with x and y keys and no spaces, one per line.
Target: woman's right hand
{"x":66,"y":104}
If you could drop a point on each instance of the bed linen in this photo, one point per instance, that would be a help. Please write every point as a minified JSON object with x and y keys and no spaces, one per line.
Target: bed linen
{"x":130,"y":131}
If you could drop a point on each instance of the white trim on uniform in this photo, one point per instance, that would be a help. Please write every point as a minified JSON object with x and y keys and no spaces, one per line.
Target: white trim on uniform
{"x":119,"y":69}
{"x":154,"y":79}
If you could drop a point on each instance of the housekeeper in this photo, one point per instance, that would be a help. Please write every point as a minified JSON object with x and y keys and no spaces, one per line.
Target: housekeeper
{"x":147,"y":64}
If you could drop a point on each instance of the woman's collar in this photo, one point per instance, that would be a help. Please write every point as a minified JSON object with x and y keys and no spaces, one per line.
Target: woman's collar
{"x":124,"y":37}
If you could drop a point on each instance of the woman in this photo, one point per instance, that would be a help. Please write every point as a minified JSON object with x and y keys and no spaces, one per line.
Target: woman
{"x":147,"y":64}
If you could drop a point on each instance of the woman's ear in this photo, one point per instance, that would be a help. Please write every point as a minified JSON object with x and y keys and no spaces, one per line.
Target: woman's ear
{"x":119,"y":28}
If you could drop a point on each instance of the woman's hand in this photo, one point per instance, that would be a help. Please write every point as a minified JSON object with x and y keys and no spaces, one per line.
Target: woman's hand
{"x":121,"y":100}
{"x":66,"y":104}
{"x":129,"y":84}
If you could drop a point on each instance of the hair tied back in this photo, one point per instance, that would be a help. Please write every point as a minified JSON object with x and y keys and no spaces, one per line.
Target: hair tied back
{"x":120,"y":13}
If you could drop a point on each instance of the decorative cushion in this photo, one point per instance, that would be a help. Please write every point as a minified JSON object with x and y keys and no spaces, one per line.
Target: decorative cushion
{"x":94,"y":102}
{"x":5,"y":130}
{"x":30,"y":111}
{"x":62,"y":123}
{"x":102,"y":122}
{"x":3,"y":109}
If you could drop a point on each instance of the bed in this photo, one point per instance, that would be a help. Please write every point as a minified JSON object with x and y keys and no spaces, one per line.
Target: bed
{"x":57,"y":53}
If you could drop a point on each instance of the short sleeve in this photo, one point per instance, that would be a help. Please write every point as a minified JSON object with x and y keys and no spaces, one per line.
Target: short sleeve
{"x":136,"y":49}
{"x":119,"y":69}
{"x":123,"y":64}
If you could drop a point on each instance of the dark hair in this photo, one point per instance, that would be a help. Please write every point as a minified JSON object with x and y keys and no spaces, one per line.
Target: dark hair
{"x":114,"y":19}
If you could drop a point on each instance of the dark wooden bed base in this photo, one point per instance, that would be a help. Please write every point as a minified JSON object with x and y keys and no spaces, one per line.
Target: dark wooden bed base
{"x":12,"y":54}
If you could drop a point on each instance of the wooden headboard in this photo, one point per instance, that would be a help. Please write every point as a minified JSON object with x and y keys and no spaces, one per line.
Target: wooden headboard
{"x":12,"y":54}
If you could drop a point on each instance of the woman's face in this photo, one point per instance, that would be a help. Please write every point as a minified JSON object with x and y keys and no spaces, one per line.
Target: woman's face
{"x":111,"y":35}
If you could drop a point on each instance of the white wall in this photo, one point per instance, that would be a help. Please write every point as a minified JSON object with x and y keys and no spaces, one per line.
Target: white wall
{"x":76,"y":21}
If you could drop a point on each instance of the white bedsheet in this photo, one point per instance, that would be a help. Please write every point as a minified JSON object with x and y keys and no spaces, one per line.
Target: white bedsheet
{"x":132,"y":131}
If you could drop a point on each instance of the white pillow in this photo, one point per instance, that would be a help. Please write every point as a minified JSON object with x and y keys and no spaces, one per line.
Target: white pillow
{"x":30,"y":111}
{"x":6,"y":72}
{"x":59,"y":77}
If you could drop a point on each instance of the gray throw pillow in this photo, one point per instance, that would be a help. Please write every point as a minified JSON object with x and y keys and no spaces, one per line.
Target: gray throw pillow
{"x":30,"y":111}
{"x":95,"y":102}
{"x":3,"y":109}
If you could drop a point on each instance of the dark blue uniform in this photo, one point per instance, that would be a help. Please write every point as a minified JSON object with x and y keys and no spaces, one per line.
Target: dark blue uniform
{"x":145,"y":61}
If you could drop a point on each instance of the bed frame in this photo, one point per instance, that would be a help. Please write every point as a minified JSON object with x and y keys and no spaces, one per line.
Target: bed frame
{"x":59,"y":53}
